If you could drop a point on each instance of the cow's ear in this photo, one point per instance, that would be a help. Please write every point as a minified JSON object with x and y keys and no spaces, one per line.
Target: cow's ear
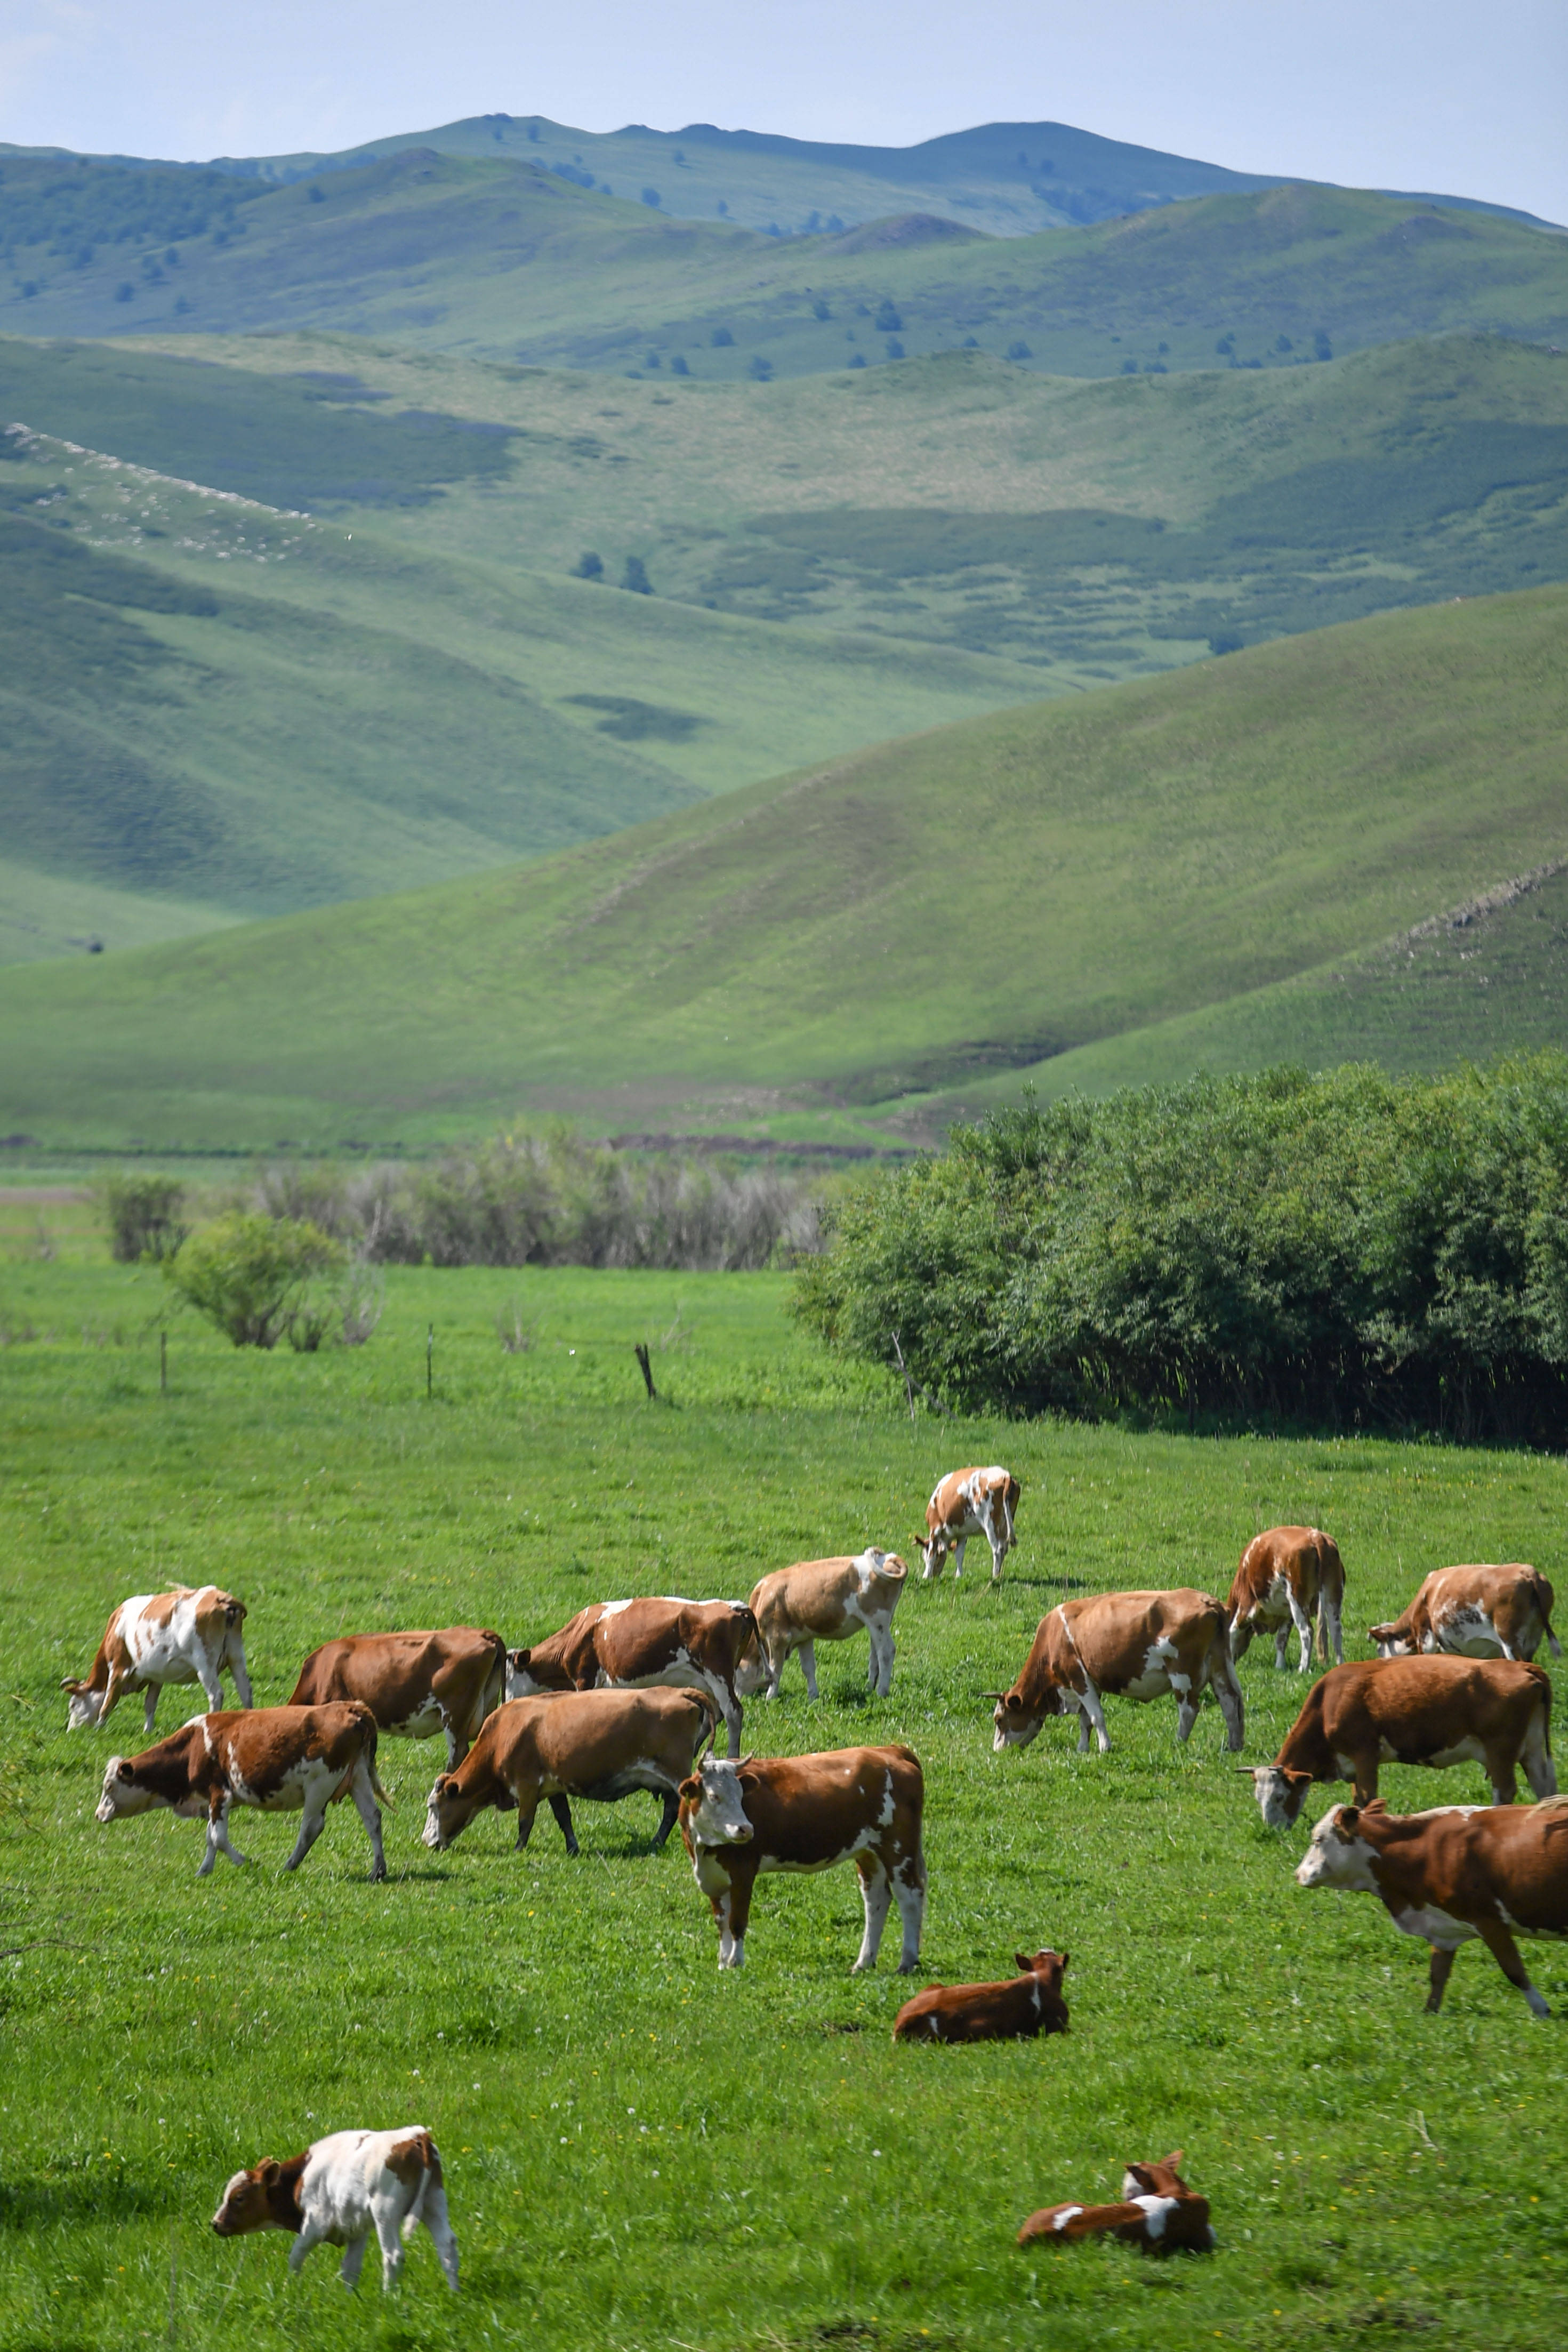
{"x":1065,"y":1957}
{"x":1023,"y":1964}
{"x":1173,"y":2158}
{"x":1348,"y":1820}
{"x":270,"y":2173}
{"x":1298,"y":1779}
{"x":1013,"y":1703}
{"x":125,"y":1773}
{"x":71,"y":1683}
{"x":690,"y":1790}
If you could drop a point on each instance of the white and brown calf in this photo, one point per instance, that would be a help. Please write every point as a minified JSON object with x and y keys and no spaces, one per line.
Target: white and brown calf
{"x":187,"y":1634}
{"x":1159,"y":2212}
{"x":340,"y":2188}
{"x":279,"y":1759}
{"x":1014,"y":2011}
{"x":1476,"y":1611}
{"x":1287,"y":1577}
{"x":636,"y":1644}
{"x":601,"y":1745}
{"x":415,"y":1684}
{"x":968,"y":1503}
{"x":823,"y":1600}
{"x":863,"y":1805}
{"x":1137,"y":1645}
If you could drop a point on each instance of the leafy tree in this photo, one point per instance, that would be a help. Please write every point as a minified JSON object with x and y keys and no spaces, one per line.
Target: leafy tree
{"x":858,"y":360}
{"x":634,"y":579}
{"x":142,"y":1214}
{"x":887,"y":320}
{"x":251,"y":1275}
{"x":835,"y":226}
{"x":590,"y":566}
{"x":895,"y":348}
{"x":820,"y":308}
{"x":1321,"y":347}
{"x":760,"y":370}
{"x":970,"y":344}
{"x":316,"y":193}
{"x":1281,"y":343}
{"x":721,"y":339}
{"x":651,"y":196}
{"x":1129,"y":367}
{"x":1020,"y":351}
{"x":1226,"y":346}
{"x":652,"y":361}
{"x":722,"y":209}
{"x":678,"y":364}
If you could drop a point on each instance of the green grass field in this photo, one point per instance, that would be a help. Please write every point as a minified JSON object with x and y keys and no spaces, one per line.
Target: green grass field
{"x":640,"y":2153}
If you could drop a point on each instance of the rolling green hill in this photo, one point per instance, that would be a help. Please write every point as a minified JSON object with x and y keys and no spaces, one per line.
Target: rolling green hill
{"x":841,"y":953}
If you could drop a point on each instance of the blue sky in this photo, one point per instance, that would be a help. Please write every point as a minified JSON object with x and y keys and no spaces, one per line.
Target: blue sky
{"x":1440,"y":95}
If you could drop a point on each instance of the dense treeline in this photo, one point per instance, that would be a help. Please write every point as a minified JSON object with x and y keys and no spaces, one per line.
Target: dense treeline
{"x":74,"y":205}
{"x":1337,"y":1251}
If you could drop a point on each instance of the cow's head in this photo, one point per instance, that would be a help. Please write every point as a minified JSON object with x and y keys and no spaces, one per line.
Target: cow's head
{"x":1280,"y":1792}
{"x":123,"y":1793}
{"x":1391,"y":1640}
{"x":448,"y":1812}
{"x":713,"y":1804}
{"x":1157,"y":2179}
{"x":933,"y":1547}
{"x":253,"y":2201}
{"x":1047,"y":1968}
{"x":520,"y":1683}
{"x":1016,"y":1724}
{"x":84,"y":1705}
{"x":1339,"y":1855}
{"x":751,"y":1667}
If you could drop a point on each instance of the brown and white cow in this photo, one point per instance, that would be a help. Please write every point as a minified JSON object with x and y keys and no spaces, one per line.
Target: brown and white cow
{"x":1136,"y":1645}
{"x":1457,"y":1872}
{"x":341,"y":2188}
{"x":632,"y":1644}
{"x":1158,"y":2210}
{"x":1287,"y":1577}
{"x":1015,"y":2010}
{"x":1476,"y":1612}
{"x":1431,"y":1711}
{"x":600,"y":1745}
{"x":968,"y":1503}
{"x":191,"y":1633}
{"x":823,"y":1600}
{"x":414,"y":1683}
{"x":863,"y":1805}
{"x":279,"y":1760}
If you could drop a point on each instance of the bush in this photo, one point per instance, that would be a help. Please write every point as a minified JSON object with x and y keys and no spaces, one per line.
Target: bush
{"x":760,"y":371}
{"x":895,"y":348}
{"x":142,"y":1215}
{"x":1020,"y":351}
{"x":1328,"y":1252}
{"x":590,"y":566}
{"x":678,"y":364}
{"x":251,"y":1274}
{"x":634,"y":579}
{"x":721,"y":339}
{"x":651,"y":196}
{"x":888,"y":321}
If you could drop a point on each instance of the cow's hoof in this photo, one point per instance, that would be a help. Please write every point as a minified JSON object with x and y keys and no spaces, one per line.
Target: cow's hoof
{"x":377,"y":1876}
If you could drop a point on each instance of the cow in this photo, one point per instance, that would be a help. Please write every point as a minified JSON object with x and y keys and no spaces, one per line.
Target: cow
{"x":1159,"y":2212}
{"x":1024,"y":2005}
{"x":341,"y":2188}
{"x":1431,"y":1711}
{"x":823,"y":1600}
{"x":279,"y":1760}
{"x":187,"y":1634}
{"x":414,"y":1683}
{"x":970,"y":1503}
{"x":1476,"y":1612}
{"x":1459,"y":1872}
{"x":631,"y":1644}
{"x":863,"y":1805}
{"x":1135,"y":1645}
{"x":1287,"y":1577}
{"x":600,"y":1745}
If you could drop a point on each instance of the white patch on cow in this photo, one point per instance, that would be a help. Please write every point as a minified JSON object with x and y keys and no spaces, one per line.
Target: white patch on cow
{"x":1433,"y":1927}
{"x":1157,"y":2213}
{"x":1068,"y":2213}
{"x":885,"y":1816}
{"x":718,"y":1818}
{"x":613,"y":1608}
{"x":1333,"y":1861}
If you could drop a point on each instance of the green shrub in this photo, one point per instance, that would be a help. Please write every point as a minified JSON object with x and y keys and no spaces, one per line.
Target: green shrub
{"x":252,"y":1276}
{"x":142,"y":1215}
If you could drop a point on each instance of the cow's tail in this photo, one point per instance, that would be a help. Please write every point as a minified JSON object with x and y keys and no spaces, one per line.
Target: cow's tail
{"x":495,"y":1689}
{"x":709,"y":1705}
{"x":1331,"y":1594}
{"x":369,"y":1753}
{"x":429,"y":2178}
{"x":1544,"y":1601}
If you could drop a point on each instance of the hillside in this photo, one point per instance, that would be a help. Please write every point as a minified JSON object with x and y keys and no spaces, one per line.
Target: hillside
{"x":829,"y":954}
{"x":506,"y":260}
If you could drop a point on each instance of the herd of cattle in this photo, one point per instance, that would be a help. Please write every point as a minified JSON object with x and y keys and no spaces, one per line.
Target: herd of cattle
{"x":630,"y":1695}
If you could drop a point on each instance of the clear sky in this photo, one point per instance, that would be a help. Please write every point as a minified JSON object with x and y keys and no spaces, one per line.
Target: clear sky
{"x":1421,"y":94}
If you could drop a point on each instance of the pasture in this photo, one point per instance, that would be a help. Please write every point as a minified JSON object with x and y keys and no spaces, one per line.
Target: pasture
{"x":639,"y":2152}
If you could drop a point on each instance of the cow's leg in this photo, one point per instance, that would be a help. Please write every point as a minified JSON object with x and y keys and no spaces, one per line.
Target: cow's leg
{"x":435,"y":2216}
{"x":240,"y":1671}
{"x":909,"y":1891}
{"x":935,"y":1558}
{"x":775,"y":1658}
{"x":732,"y":1723}
{"x":1500,"y":1943}
{"x":1539,"y":1769}
{"x":456,"y":1746}
{"x":672,"y":1815}
{"x":1363,"y":1775}
{"x":208,"y":1676}
{"x":876,"y":1893}
{"x":149,"y":1708}
{"x":391,"y":2244}
{"x":353,"y":2255}
{"x":310,"y":2235}
{"x":734,"y":1910}
{"x":959,"y":1557}
{"x":1240,"y":1638}
{"x":882,"y":1655}
{"x":1437,"y":1974}
{"x":1500,"y":1772}
{"x":1304,"y":1625}
{"x":1331,"y":1634}
{"x":808,"y":1668}
{"x":218,"y":1837}
{"x":999,"y":1544}
{"x":528,"y":1806}
{"x":561,"y":1809}
{"x":310,"y":1828}
{"x":1187,"y":1705}
{"x":362,"y":1790}
{"x":1091,"y":1713}
{"x":1227,"y":1689}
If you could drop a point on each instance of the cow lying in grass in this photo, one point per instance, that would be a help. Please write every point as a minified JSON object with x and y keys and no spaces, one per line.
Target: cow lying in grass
{"x":1431,"y":1711}
{"x":1476,"y":1611}
{"x":187,"y":1634}
{"x":1287,"y":1577}
{"x":414,"y":1685}
{"x":823,"y":1600}
{"x":599,"y":1745}
{"x":636,"y":1644}
{"x":1159,"y":2212}
{"x":1135,"y":1645}
{"x":1015,"y":2011}
{"x":339,"y":2190}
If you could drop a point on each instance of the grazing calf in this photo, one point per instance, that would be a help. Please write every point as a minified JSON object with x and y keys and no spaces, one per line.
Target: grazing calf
{"x":632,"y":1644}
{"x":823,"y":1600}
{"x":187,"y":1634}
{"x":1478,"y":1611}
{"x":1136,"y":1645}
{"x":1432,"y":1711}
{"x":970,"y":1503}
{"x":1015,"y":2011}
{"x":340,"y":2188}
{"x":414,"y":1683}
{"x":1159,"y":2212}
{"x":863,"y":1805}
{"x":600,"y":1745}
{"x":1453,"y":1875}
{"x":1287,"y":1577}
{"x":279,"y":1760}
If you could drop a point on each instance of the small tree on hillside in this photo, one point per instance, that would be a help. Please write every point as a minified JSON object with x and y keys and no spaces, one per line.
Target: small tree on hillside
{"x":251,"y":1275}
{"x":635,"y":577}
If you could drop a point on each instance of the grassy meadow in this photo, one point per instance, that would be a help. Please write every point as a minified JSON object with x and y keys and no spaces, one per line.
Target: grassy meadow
{"x":641,"y":2152}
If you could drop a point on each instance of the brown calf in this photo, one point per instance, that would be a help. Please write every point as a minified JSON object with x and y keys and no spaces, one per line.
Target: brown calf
{"x":1476,"y":1612}
{"x":598,"y":1745}
{"x":634,"y":1644}
{"x":1287,"y":1577}
{"x":823,"y":1600}
{"x":1158,"y":2213}
{"x":1136,"y":1645}
{"x":968,"y":1503}
{"x":414,"y":1683}
{"x":1014,"y":2012}
{"x":186,"y":1634}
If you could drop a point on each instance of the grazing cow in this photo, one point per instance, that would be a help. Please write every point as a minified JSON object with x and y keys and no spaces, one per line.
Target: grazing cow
{"x":600,"y":1745}
{"x":279,"y":1759}
{"x":1460,"y":1872}
{"x":1287,"y":1577}
{"x":1159,"y":2212}
{"x":187,"y":1634}
{"x":1134,"y":1646}
{"x":631,"y":1644}
{"x":1433,"y":1711}
{"x":970,"y":1503}
{"x":1015,"y":2011}
{"x":823,"y":1600}
{"x":1480,"y":1612}
{"x":414,"y":1683}
{"x":863,"y":1805}
{"x":340,"y":2188}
